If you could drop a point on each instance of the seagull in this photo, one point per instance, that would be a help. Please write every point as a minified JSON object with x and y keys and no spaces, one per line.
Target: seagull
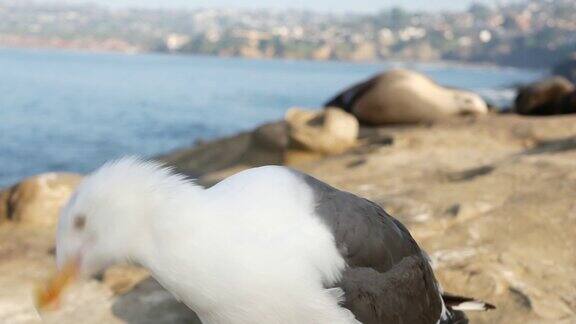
{"x":266,"y":245}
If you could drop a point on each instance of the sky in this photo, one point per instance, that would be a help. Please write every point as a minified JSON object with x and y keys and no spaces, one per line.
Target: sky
{"x":364,"y":6}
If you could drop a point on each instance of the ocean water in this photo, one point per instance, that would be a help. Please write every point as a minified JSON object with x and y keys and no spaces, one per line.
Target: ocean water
{"x":71,"y":111}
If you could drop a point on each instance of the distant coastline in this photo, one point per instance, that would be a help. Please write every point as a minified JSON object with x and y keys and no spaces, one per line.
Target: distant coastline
{"x":525,"y":34}
{"x":392,"y":61}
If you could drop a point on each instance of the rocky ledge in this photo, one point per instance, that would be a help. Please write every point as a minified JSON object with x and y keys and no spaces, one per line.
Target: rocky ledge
{"x":491,"y":198}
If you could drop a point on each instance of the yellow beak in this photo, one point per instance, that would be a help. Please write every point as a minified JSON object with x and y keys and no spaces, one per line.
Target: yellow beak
{"x":47,"y":296}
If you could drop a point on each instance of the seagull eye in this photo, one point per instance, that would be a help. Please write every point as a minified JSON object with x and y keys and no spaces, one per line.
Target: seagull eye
{"x":79,"y":222}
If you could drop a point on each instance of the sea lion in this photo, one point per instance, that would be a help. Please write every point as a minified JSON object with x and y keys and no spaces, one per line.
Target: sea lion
{"x":314,"y":134}
{"x":332,"y":131}
{"x":348,"y":97}
{"x":551,"y":96}
{"x":37,"y":200}
{"x":404,"y":96}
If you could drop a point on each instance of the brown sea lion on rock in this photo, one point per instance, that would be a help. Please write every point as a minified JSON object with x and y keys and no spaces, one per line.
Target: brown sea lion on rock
{"x":37,"y":200}
{"x":403,"y":96}
{"x":348,"y":97}
{"x":314,"y":134}
{"x":552,"y":96}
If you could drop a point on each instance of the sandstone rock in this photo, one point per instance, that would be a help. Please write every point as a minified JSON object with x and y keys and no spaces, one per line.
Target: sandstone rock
{"x":469,"y":210}
{"x":273,"y":136}
{"x":364,"y":52}
{"x":552,"y":96}
{"x":37,"y":200}
{"x":509,"y":239}
{"x":263,"y":146}
{"x":500,"y":229}
{"x":122,"y":278}
{"x":251,"y":52}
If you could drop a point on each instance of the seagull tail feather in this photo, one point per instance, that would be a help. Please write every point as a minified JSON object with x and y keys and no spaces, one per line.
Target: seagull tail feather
{"x":461,"y":303}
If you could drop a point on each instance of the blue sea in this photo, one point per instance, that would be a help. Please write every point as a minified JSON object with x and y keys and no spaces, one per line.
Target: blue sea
{"x":71,"y":111}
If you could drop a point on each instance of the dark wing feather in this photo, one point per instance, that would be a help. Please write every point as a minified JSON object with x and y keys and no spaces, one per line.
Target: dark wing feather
{"x":348,"y":97}
{"x":400,"y":295}
{"x":389,"y":279}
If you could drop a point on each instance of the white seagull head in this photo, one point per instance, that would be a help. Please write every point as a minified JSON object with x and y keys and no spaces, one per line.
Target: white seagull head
{"x":106,"y":221}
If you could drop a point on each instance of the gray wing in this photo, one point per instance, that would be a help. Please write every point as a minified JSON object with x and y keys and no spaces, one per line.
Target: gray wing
{"x":389,"y":279}
{"x":403,"y":294}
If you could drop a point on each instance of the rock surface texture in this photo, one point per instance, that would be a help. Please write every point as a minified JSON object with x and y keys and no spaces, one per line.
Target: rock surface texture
{"x":491,"y":199}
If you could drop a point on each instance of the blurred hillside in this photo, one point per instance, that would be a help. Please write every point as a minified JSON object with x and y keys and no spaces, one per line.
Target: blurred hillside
{"x":532,"y":33}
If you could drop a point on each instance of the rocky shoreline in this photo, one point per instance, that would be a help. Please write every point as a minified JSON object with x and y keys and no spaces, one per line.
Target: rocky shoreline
{"x":489,"y":197}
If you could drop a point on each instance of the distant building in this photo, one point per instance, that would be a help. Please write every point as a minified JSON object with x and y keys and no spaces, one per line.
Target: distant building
{"x":175,"y":42}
